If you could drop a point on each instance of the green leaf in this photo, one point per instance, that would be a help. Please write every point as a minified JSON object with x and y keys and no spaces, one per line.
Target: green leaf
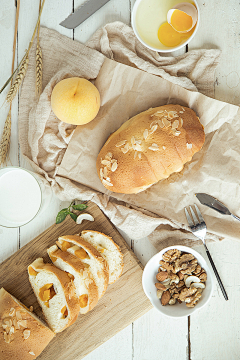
{"x":62,"y":215}
{"x":73,"y":216}
{"x":79,"y":207}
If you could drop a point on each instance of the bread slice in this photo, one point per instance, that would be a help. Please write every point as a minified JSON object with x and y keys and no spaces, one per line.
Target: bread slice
{"x":97,"y":265}
{"x":81,"y":277}
{"x":55,"y":293}
{"x":109,"y":251}
{"x":22,"y":335}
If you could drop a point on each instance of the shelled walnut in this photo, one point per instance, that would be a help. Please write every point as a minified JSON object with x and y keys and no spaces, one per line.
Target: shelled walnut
{"x":180,"y":279}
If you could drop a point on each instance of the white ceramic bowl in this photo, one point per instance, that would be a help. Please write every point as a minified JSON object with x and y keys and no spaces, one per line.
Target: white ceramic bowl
{"x":160,"y":47}
{"x":149,"y":280}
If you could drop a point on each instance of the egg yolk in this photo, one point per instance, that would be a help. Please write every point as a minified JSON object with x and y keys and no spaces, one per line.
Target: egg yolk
{"x":181,"y":21}
{"x":168,"y":36}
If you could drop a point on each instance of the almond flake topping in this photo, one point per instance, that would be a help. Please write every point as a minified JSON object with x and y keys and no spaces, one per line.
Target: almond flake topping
{"x":18,"y":315}
{"x":176,"y":132}
{"x":189,"y":146}
{"x":31,"y":353}
{"x":153,"y":128}
{"x":11,"y":330}
{"x":181,"y":121}
{"x":181,"y":112}
{"x":166,"y":122}
{"x":12,"y":312}
{"x":22,"y":323}
{"x":101,"y":173}
{"x":175,"y":124}
{"x":139,"y":155}
{"x":137,"y":147}
{"x":109,"y":154}
{"x":153,"y":147}
{"x":133,"y":140}
{"x":107,"y":183}
{"x":106,"y":162}
{"x":125,"y":148}
{"x":160,"y":123}
{"x":172,"y":114}
{"x":6,"y":337}
{"x":121,"y":143}
{"x":164,"y":147}
{"x":135,"y":155}
{"x":114,"y":166}
{"x":183,"y":109}
{"x":145,"y":134}
{"x":105,"y":172}
{"x":26,"y":334}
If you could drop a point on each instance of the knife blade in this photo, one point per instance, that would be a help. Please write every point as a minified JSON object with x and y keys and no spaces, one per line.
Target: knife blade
{"x":214,"y":204}
{"x":88,"y":8}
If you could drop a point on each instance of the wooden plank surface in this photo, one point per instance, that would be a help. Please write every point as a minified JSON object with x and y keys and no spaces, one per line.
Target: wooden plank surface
{"x":122,"y":304}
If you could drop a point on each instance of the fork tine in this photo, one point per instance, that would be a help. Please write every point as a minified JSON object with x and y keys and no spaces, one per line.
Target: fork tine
{"x":195,"y":219}
{"x":189,"y":219}
{"x":199,"y":214}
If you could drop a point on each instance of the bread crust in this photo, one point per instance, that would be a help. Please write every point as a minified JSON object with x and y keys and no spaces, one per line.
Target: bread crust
{"x":78,"y":266}
{"x":19,"y":349}
{"x":146,"y":148}
{"x":67,"y":286}
{"x":77,"y":240}
{"x":117,"y":248}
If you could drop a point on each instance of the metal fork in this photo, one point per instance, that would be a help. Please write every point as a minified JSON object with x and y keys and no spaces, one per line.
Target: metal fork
{"x":198,"y":228}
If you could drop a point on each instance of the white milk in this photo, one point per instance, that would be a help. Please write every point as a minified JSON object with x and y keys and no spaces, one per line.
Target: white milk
{"x":150,"y":15}
{"x":20,"y":197}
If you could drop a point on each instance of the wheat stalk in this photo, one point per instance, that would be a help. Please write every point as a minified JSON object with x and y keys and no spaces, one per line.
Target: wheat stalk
{"x":38,"y":61}
{"x":5,"y":140}
{"x":18,"y":80}
{"x":38,"y":70}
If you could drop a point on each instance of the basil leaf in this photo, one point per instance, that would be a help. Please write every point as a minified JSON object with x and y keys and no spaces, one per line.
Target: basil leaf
{"x":61,"y":216}
{"x":73,"y":216}
{"x":79,"y":207}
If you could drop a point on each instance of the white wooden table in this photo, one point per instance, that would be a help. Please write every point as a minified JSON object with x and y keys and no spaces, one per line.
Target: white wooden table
{"x":214,"y":332}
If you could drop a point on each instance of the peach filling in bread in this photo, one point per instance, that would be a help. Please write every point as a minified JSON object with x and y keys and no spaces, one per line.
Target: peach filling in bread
{"x":83,"y":300}
{"x":82,"y":254}
{"x":65,"y":245}
{"x":46,"y":293}
{"x":64,"y":311}
{"x":31,"y":271}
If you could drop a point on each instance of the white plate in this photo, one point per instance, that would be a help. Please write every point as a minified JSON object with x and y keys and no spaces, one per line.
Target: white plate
{"x":149,"y":280}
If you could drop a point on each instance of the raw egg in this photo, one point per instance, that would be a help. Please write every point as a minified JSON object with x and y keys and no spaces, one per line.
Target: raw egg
{"x":181,"y":21}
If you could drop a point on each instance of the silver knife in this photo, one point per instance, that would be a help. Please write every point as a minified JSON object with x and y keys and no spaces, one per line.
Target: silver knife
{"x":214,"y":204}
{"x":82,"y":13}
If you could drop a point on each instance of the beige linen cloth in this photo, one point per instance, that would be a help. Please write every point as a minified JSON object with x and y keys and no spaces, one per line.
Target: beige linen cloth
{"x":131,"y":79}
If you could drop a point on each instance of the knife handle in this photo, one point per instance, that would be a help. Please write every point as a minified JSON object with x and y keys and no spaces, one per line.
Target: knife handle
{"x":216,"y":273}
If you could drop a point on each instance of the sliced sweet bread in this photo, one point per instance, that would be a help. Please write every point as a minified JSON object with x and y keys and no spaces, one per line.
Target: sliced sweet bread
{"x":98,"y":266}
{"x":78,"y":272}
{"x":55,"y":293}
{"x":22,"y":335}
{"x":108,"y":249}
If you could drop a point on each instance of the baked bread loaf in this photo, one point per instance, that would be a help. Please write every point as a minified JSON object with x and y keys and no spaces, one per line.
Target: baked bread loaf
{"x":55,"y":293}
{"x":149,"y":147}
{"x":22,"y":335}
{"x":81,"y":277}
{"x":109,"y":251}
{"x":97,"y":265}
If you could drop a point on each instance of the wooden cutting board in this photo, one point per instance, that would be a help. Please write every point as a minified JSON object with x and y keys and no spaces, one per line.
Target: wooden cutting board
{"x":123,"y":302}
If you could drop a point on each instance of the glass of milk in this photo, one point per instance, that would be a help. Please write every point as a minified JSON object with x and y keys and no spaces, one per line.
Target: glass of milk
{"x":22,"y":196}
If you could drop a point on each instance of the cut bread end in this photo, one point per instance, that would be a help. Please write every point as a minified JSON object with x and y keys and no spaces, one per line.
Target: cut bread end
{"x":108,"y":249}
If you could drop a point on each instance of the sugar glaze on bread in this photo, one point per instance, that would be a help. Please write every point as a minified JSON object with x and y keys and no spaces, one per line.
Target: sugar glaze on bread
{"x":149,"y":147}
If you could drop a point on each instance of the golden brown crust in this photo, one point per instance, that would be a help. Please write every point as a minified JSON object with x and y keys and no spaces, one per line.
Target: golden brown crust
{"x":77,"y":240}
{"x":146,"y":148}
{"x":77,"y":265}
{"x":67,"y":286}
{"x":19,"y":348}
{"x":118,"y":248}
